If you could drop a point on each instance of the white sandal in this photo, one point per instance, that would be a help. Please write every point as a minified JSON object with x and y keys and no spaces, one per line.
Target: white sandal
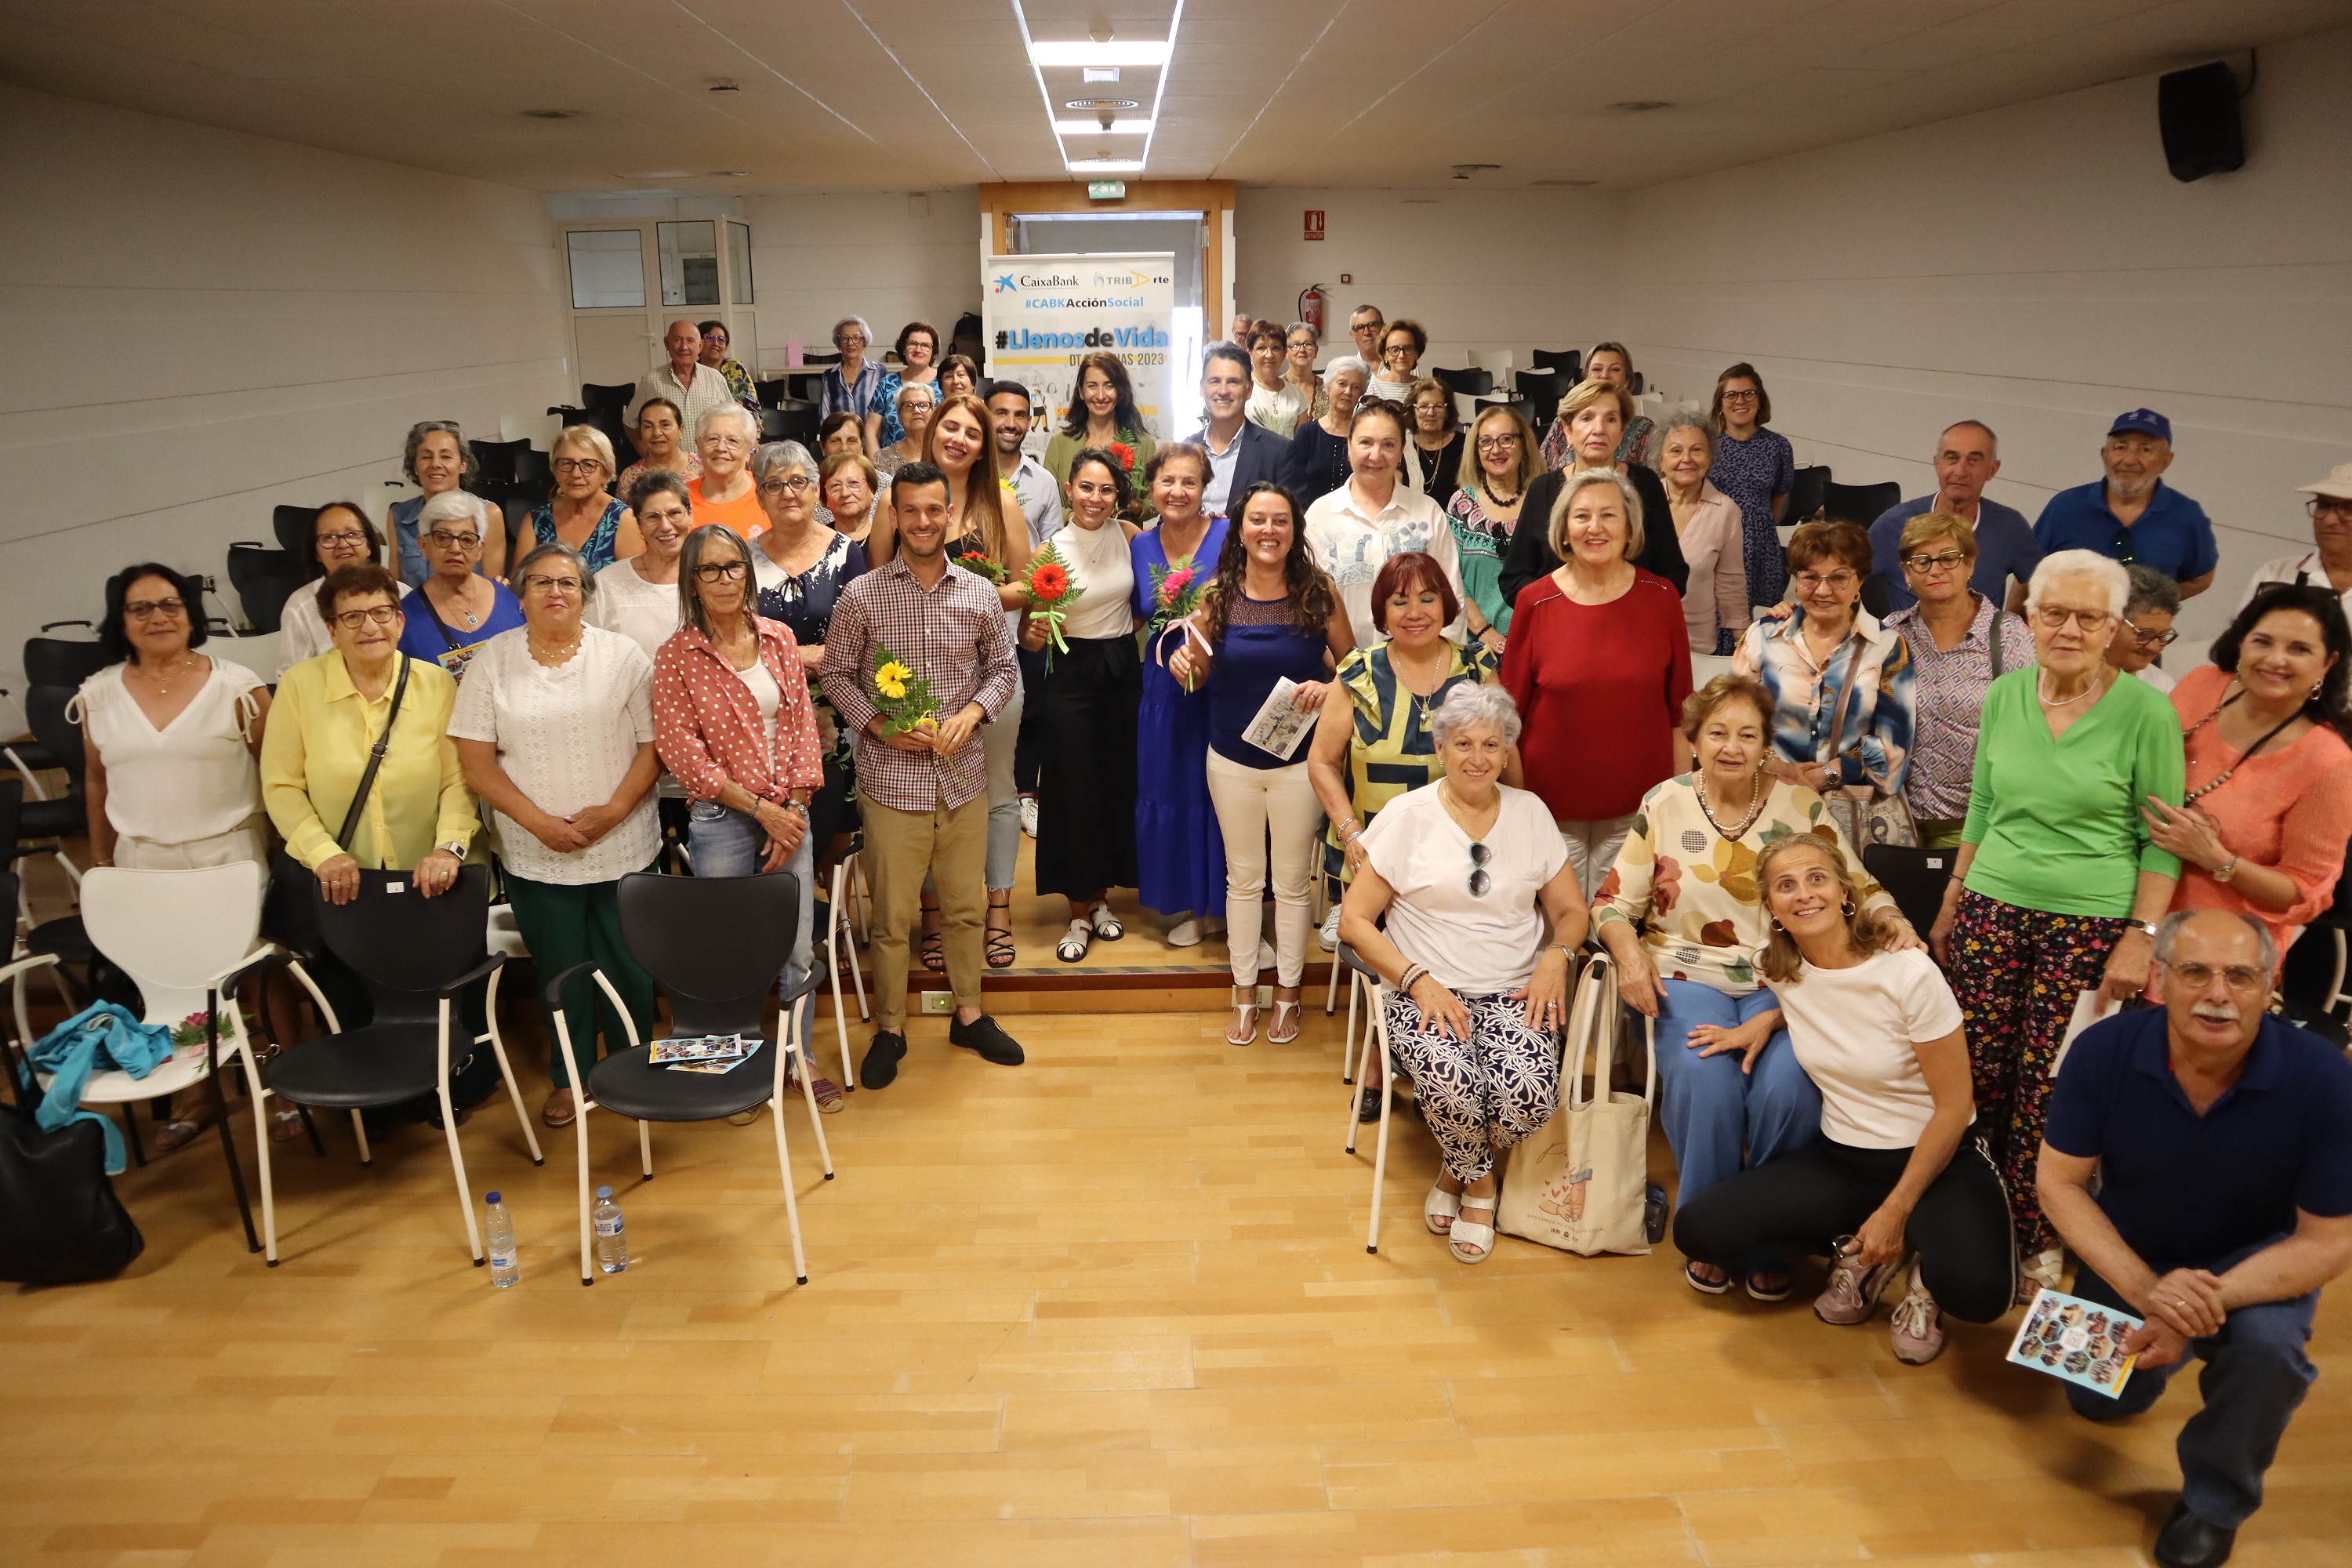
{"x":1106,"y":924}
{"x":1243,"y":1030}
{"x":1440,"y":1210}
{"x":1074,"y":942}
{"x":1473,"y":1242}
{"x":1274,"y":1035}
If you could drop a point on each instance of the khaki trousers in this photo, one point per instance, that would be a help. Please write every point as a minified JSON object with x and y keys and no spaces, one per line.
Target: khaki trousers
{"x":901,"y":849}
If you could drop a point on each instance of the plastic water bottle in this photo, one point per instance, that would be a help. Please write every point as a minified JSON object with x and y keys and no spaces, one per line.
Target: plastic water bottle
{"x":506,"y":1269}
{"x":612,"y":1247}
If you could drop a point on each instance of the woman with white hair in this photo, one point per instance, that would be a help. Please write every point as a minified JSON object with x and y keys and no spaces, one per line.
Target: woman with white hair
{"x":1318,"y":463}
{"x":1482,"y":917}
{"x":584,"y":515}
{"x":725,"y":439}
{"x":848,"y":387}
{"x":914,"y":404}
{"x":1706,"y":526}
{"x":2058,"y":883}
{"x":458,"y":609}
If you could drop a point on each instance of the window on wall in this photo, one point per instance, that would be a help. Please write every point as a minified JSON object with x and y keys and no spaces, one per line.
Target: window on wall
{"x":608,"y":269}
{"x":739,"y":264}
{"x":689,"y":262}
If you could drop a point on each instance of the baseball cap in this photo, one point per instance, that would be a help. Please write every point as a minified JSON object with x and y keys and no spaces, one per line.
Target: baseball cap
{"x":2338,"y":484}
{"x":2144,"y":422}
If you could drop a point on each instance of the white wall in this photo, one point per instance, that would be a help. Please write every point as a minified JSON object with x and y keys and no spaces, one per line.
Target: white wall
{"x":196,"y":325}
{"x":887,"y":255}
{"x":2039,"y":269}
{"x":1484,"y":271}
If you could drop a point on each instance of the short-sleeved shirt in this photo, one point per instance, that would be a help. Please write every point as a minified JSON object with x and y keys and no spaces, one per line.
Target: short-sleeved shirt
{"x":2185,"y":1190}
{"x":743,"y":514}
{"x":1857,"y":1033}
{"x":427,"y":636}
{"x":2173,"y":535}
{"x":1476,"y":945}
{"x":2006,"y":548}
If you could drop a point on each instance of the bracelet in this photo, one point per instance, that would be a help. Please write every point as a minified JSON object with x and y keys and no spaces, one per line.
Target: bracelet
{"x":1412,"y":973}
{"x":2226,"y":869}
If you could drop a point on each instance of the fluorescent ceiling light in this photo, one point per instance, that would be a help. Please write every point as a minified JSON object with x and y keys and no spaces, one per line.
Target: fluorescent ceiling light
{"x":1131,"y":126}
{"x":1087,"y":52}
{"x":1106,"y":166}
{"x":1100,"y":73}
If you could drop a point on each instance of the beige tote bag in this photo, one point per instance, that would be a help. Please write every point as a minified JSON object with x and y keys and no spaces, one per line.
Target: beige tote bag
{"x":1578,"y":1184}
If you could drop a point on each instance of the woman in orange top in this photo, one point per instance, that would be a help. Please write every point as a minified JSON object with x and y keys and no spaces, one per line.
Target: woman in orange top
{"x":2262,"y":830}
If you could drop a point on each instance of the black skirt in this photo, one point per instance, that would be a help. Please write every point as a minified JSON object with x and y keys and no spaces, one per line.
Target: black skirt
{"x":1086,"y":784}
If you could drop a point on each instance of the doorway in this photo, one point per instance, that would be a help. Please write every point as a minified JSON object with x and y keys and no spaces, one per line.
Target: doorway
{"x":629,"y":279}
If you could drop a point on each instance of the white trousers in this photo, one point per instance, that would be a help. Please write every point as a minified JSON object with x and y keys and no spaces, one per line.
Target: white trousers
{"x":246,"y":843}
{"x":1254,"y":803}
{"x":1593,"y":849}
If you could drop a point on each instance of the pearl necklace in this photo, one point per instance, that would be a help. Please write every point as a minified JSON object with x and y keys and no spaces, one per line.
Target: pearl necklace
{"x":1755,"y":805}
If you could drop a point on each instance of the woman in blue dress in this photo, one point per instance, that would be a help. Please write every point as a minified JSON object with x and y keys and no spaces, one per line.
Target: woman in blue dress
{"x":458,"y":609}
{"x":1754,"y":467}
{"x":584,"y":513}
{"x":1180,"y":856}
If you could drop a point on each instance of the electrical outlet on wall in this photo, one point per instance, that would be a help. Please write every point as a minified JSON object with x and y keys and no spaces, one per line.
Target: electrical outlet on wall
{"x":939,"y":1002}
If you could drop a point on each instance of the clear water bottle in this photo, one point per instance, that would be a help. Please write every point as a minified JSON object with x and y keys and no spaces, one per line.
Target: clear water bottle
{"x":506,"y":1269}
{"x":612,"y":1247}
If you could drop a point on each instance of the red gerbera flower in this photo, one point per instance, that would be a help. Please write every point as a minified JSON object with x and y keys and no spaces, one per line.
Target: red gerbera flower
{"x":1124,"y":453}
{"x":1049,"y":583}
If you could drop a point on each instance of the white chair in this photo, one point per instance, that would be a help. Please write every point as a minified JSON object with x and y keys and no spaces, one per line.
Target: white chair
{"x":1376,"y":1029}
{"x":845,"y":886}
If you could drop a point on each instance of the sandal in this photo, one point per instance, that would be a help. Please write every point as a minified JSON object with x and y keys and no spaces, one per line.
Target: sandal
{"x":1285,"y":1012}
{"x":935,"y":954}
{"x":1473,"y":1242}
{"x":829,"y":1097}
{"x":1440,"y":1210}
{"x":1763,"y":1293}
{"x":560,"y":1115}
{"x":176,"y":1133}
{"x":999,"y":938}
{"x":1243,"y":1030}
{"x":1074,"y":942}
{"x":1705,"y":1286}
{"x":285,"y":1126}
{"x":1106,"y":924}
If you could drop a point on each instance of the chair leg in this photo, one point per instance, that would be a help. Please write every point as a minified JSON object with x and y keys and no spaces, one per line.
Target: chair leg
{"x":1331,"y":994}
{"x":580,"y":1120}
{"x":816,"y":1121}
{"x":833,"y":924}
{"x":318,"y":1144}
{"x":457,"y":1168}
{"x":236,"y":1172}
{"x":1348,"y":1035}
{"x":1363,"y":1046}
{"x":130,"y":1128}
{"x":792,"y":1204}
{"x":646,"y":1148}
{"x":514,"y":1094}
{"x":359,"y":1131}
{"x":260,"y":1098}
{"x":1380,"y":1147}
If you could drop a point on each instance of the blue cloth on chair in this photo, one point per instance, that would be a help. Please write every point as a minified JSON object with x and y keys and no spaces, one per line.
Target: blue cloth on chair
{"x":99,"y":1037}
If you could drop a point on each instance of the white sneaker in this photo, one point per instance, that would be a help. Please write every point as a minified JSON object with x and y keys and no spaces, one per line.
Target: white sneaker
{"x":1329,"y":934}
{"x":1185,"y":932}
{"x":1029,"y":815}
{"x":1917,"y":1334}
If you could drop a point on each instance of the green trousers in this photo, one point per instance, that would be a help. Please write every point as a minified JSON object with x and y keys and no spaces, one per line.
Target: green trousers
{"x":564,"y":925}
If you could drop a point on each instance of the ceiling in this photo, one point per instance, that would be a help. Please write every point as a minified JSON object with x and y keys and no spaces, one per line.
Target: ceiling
{"x":910,"y":94}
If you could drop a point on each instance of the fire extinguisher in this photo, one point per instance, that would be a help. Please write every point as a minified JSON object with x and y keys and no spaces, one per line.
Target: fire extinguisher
{"x":1310,"y":306}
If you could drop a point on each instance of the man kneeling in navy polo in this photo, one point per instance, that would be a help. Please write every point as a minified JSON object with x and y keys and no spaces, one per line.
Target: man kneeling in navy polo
{"x":2224,"y":1136}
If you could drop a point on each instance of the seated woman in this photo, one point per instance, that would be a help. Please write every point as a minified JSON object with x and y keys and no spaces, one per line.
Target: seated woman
{"x":1894,"y":1175}
{"x":841,"y":432}
{"x":661,"y":441}
{"x":340,"y":535}
{"x":1482,"y":917}
{"x":915,"y":402}
{"x":584,"y":515}
{"x":1680,"y":913}
{"x":852,"y":491}
{"x":458,"y":609}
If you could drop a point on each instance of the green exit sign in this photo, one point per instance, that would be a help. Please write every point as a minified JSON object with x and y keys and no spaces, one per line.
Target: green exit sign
{"x":1106,"y":190}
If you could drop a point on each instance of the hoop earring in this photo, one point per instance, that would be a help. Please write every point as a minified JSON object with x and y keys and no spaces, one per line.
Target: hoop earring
{"x":1848,"y":909}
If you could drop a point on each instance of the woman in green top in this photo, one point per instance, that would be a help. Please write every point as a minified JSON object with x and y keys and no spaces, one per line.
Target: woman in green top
{"x":2057,"y":886}
{"x":1102,"y":414}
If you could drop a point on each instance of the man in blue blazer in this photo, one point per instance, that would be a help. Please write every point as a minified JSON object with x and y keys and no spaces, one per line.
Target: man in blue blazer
{"x":1240,"y":454}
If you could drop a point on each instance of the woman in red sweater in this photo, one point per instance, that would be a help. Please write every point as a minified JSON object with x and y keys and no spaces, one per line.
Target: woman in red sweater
{"x":1599,"y":665}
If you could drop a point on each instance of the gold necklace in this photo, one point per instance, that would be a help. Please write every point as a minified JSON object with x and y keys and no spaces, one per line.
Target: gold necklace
{"x":156,"y":678}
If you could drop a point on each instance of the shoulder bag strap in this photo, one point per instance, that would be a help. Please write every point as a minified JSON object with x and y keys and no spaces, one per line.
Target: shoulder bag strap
{"x":1997,"y":614}
{"x":375,"y":755}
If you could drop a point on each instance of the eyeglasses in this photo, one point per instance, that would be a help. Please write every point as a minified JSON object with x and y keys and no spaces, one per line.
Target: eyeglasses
{"x":349,"y":536}
{"x":2241,"y":977}
{"x":1814,"y":582}
{"x":353,"y":620}
{"x":535,"y":584}
{"x":2329,"y":506}
{"x":2148,"y":638}
{"x":444,"y":539}
{"x":155,"y":609}
{"x":1926,"y":565}
{"x":1480,"y":881}
{"x":725,"y":443}
{"x":1741,"y":396}
{"x":1497,"y":443}
{"x":2053,"y":617}
{"x":790,"y":487}
{"x":578,"y":464}
{"x":722,"y":570}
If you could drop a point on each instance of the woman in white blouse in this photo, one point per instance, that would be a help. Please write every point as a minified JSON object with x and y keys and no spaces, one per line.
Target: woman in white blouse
{"x":638,"y":597}
{"x":554,"y":725}
{"x":1087,"y":704}
{"x":169,"y":741}
{"x":1706,"y":526}
{"x":340,"y":535}
{"x":1276,"y":401}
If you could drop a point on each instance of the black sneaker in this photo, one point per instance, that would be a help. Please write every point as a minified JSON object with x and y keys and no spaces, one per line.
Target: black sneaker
{"x":2188,"y":1541}
{"x":985,"y":1035}
{"x":882,"y":1059}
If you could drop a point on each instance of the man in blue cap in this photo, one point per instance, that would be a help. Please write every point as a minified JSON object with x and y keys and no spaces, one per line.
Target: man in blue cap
{"x":2131,"y":515}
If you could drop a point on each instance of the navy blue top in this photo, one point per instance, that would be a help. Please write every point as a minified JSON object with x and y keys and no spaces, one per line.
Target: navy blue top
{"x":2186,"y":1191}
{"x":429,"y":638}
{"x":1262,"y":644}
{"x":2006,"y":548}
{"x":2173,"y":535}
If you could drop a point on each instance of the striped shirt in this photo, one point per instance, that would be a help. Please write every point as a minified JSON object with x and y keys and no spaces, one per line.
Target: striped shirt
{"x":953,"y":635}
{"x":1868,"y":733}
{"x":1948,"y":699}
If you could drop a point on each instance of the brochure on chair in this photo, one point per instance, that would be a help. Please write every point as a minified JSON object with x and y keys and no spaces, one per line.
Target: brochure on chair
{"x":703,"y":1053}
{"x":1280,"y":725}
{"x":2081,"y":1341}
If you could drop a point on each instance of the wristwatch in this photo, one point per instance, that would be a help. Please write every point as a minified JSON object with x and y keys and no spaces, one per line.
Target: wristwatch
{"x":2226,"y":869}
{"x":2146,"y":927}
{"x":456,"y":850}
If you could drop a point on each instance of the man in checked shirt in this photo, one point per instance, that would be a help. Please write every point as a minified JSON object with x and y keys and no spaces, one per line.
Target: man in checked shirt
{"x":924,"y":794}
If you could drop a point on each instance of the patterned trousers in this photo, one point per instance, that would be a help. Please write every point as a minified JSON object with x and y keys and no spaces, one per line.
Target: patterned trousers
{"x":1481,"y":1094}
{"x":2016,"y":974}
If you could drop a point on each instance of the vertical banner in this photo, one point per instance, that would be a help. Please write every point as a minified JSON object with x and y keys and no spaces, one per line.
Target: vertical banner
{"x":1045,"y":313}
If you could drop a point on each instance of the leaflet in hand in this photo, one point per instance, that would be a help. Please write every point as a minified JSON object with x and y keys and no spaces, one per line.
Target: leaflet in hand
{"x":2082,"y":1341}
{"x":1280,"y":725}
{"x":703,"y":1053}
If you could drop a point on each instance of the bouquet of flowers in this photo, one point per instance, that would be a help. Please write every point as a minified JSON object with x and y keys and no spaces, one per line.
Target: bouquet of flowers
{"x":903,"y":698}
{"x":1050,"y":587}
{"x":1175,"y":593}
{"x":190,"y":1031}
{"x":986,"y":566}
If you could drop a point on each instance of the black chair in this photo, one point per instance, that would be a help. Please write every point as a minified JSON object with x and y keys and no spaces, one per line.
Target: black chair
{"x":792,"y":422}
{"x":1916,"y":877}
{"x":293,"y":527}
{"x":263,"y":580}
{"x":1476,"y":381}
{"x":1568,"y":362}
{"x":715,"y":945}
{"x":1806,"y":489}
{"x":52,"y":661}
{"x":600,"y":397}
{"x":534,"y":472}
{"x":415,"y":955}
{"x":1541,"y":391}
{"x":494,"y":464}
{"x":1859,"y":504}
{"x":772,"y":393}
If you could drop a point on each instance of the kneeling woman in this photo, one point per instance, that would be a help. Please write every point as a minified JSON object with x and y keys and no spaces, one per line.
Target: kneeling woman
{"x":1484,"y":914}
{"x":1896,"y":1174}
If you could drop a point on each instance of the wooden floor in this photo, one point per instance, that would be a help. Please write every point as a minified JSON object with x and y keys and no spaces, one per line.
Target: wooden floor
{"x":1111,"y":1307}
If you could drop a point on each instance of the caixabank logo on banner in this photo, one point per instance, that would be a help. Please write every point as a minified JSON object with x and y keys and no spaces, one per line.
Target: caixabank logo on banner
{"x":1042,"y":315}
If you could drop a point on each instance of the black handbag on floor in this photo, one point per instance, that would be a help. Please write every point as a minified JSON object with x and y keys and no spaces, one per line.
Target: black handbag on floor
{"x":60,"y":1223}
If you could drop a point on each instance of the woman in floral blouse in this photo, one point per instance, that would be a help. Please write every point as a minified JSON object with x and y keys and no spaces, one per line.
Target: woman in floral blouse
{"x":1680,"y":915}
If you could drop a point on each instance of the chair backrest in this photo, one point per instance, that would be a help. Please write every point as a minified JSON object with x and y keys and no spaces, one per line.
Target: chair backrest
{"x":494,"y":461}
{"x":1568,"y":362}
{"x":264,"y":578}
{"x":714,"y":944}
{"x":1858,"y":504}
{"x":1472,"y":383}
{"x":404,"y":946}
{"x":171,"y":932}
{"x":1806,"y":489}
{"x":12,"y":817}
{"x":534,"y":471}
{"x":293,"y":527}
{"x":598,"y":397}
{"x":772,"y":393}
{"x":1914,"y":877}
{"x":62,"y":661}
{"x":45,"y":713}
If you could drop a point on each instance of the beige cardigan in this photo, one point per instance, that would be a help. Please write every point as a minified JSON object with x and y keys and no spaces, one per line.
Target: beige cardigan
{"x":1717,"y":594}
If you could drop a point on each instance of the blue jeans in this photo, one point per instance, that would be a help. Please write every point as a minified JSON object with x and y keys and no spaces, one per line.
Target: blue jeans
{"x":2255,"y":1376}
{"x":1719,"y":1120}
{"x":721,"y":842}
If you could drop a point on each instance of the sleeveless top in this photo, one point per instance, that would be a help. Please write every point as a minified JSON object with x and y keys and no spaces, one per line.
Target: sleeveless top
{"x":596,"y":550}
{"x":1262,"y":644}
